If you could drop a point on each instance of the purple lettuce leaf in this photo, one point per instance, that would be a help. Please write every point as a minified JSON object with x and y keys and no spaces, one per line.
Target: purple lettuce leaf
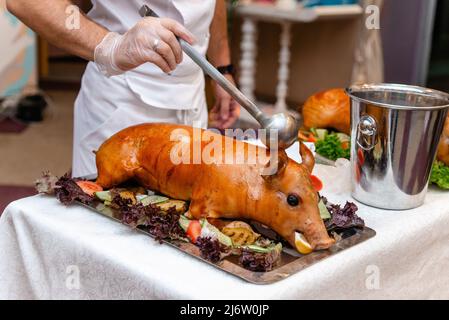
{"x":343,"y":218}
{"x":67,"y":191}
{"x":259,"y":262}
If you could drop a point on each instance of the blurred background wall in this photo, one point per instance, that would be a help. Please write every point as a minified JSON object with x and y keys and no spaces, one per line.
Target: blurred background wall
{"x":322,"y":55}
{"x":18,"y":66}
{"x":407,"y":27}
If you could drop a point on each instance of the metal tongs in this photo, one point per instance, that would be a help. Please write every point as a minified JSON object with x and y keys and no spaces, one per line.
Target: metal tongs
{"x":281,"y":128}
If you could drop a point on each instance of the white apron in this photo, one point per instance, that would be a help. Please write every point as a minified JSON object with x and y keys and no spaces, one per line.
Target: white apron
{"x":105,"y":106}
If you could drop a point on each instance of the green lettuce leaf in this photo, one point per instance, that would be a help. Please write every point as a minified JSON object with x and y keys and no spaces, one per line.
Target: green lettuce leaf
{"x":440,"y":175}
{"x":331,"y":148}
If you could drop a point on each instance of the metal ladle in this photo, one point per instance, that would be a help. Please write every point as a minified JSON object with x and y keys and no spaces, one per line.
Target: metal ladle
{"x":281,"y":128}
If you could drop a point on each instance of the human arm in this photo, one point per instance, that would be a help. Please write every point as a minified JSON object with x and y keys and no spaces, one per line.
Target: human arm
{"x":226,"y":110}
{"x":115,"y":53}
{"x":48,"y":19}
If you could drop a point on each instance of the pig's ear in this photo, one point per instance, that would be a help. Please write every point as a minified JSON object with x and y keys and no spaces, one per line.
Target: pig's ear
{"x":282,"y":161}
{"x":307,"y":157}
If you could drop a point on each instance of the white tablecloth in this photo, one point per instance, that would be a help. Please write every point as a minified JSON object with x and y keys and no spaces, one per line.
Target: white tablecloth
{"x":44,"y":246}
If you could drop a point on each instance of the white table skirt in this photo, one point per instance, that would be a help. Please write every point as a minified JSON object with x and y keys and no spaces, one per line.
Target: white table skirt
{"x":43,"y":245}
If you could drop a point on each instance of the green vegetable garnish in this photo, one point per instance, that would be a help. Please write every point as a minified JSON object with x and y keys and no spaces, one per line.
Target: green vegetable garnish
{"x":104,"y":196}
{"x":184,"y":222}
{"x":321,"y":133}
{"x":154,"y":199}
{"x":440,"y":175}
{"x":331,"y":148}
{"x":343,"y":137}
{"x":213,"y":232}
{"x":259,"y":249}
{"x":324,"y":213}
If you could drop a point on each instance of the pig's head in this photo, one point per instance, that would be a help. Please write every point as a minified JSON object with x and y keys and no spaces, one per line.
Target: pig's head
{"x":293,"y":202}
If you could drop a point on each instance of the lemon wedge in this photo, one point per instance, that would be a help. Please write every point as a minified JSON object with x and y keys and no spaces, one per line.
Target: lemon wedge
{"x":301,"y":243}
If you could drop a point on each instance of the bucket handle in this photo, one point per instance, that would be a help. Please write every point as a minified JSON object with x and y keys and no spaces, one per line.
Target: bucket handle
{"x":367,"y":133}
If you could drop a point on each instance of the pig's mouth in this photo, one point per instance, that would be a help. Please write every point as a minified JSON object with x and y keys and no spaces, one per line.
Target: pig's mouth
{"x":321,"y":243}
{"x":315,"y":240}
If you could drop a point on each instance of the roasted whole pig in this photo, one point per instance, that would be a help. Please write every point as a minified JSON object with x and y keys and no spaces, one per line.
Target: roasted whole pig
{"x":286,"y":201}
{"x":443,"y":147}
{"x":328,"y":109}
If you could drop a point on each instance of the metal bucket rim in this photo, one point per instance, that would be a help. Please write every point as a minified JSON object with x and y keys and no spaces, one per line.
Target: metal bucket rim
{"x":351,"y":91}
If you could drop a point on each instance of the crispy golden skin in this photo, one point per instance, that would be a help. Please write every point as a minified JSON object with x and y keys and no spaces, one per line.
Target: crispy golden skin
{"x":328,"y":109}
{"x":215,"y":190}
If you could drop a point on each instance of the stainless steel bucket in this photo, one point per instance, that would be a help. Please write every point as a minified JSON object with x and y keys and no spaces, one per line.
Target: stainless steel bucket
{"x":394,"y":139}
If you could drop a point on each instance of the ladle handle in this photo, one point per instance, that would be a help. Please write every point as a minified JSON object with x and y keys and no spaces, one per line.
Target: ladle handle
{"x":209,"y":69}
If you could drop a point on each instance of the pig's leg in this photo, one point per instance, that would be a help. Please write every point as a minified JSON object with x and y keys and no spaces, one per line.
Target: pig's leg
{"x":198,"y":210}
{"x":111,"y":172}
{"x":209,"y":201}
{"x":201,"y":205}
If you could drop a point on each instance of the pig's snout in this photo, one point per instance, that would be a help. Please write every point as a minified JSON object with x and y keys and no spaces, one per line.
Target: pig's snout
{"x":323,"y":244}
{"x":316,"y":234}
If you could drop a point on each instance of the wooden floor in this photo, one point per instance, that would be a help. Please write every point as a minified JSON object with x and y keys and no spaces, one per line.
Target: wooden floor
{"x":45,"y":145}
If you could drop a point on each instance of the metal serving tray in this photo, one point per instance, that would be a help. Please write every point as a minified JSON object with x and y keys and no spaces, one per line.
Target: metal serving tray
{"x":291,"y":261}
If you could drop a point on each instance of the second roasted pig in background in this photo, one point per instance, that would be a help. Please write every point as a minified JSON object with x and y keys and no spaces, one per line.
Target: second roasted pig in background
{"x":328,"y":109}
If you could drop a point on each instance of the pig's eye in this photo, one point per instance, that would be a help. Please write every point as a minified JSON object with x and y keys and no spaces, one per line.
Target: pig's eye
{"x":293,"y":199}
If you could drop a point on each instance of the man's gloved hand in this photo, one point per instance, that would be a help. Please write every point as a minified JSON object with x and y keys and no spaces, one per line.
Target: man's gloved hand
{"x":150,"y":40}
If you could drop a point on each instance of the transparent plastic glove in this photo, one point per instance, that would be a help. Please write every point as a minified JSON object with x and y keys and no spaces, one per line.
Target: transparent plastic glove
{"x":150,"y":40}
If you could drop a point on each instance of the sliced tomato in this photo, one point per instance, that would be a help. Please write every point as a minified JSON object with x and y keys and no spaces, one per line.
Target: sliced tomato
{"x":316,"y":183}
{"x":193,"y":230}
{"x":311,"y":138}
{"x":89,"y":187}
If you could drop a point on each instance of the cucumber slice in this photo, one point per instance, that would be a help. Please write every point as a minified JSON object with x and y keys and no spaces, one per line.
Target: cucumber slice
{"x":258,"y":249}
{"x":324,"y":213}
{"x":343,"y":137}
{"x":321,"y":134}
{"x":140,"y":197}
{"x":209,"y":230}
{"x":104,"y":195}
{"x":154,"y":199}
{"x":268,"y":249}
{"x":184,"y":222}
{"x":103,"y":208}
